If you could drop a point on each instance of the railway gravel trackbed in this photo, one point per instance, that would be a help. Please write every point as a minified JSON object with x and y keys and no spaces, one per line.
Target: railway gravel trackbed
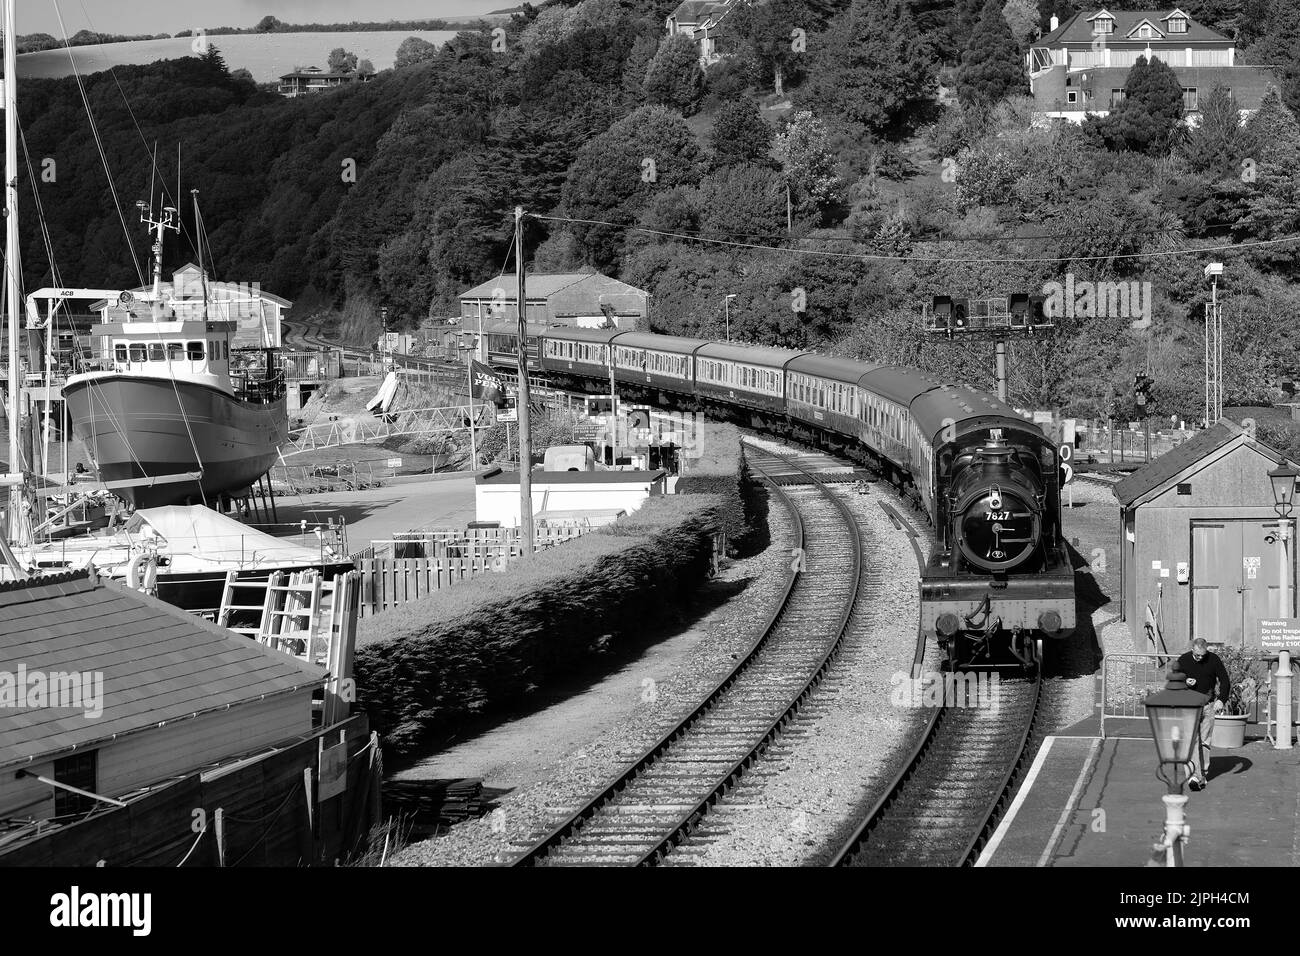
{"x":944,"y":804}
{"x":660,"y":798}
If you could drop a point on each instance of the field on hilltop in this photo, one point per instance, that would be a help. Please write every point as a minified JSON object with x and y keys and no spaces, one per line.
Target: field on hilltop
{"x":267,"y":56}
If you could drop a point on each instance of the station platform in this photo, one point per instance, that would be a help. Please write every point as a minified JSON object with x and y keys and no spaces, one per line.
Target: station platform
{"x":1086,"y":801}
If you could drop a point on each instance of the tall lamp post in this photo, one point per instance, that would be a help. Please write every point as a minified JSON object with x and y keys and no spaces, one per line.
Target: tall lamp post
{"x":1175,"y":716}
{"x":1213,"y":349}
{"x":726,"y":311}
{"x":1283,"y":479}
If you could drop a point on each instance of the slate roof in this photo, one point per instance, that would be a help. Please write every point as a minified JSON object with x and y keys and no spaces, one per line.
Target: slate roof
{"x":1078,"y":29}
{"x":539,"y":285}
{"x":1174,"y":463}
{"x":158,"y":662}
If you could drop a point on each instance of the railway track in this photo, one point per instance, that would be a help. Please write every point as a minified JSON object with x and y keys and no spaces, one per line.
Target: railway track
{"x":659,"y":800}
{"x":944,"y":804}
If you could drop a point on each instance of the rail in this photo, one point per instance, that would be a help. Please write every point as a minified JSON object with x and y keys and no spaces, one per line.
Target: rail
{"x":722,"y":713}
{"x":966,"y":760}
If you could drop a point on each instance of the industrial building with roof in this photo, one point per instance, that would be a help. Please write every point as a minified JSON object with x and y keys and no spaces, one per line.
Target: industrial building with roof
{"x":584,"y":299}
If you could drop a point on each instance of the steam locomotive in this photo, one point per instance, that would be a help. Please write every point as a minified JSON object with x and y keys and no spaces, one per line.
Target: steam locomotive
{"x":999,"y":578}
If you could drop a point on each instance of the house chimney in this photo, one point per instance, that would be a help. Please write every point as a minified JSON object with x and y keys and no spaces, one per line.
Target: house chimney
{"x":1054,"y":22}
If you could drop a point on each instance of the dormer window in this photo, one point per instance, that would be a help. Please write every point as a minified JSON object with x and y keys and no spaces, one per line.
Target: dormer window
{"x":1103,"y":23}
{"x":1178,"y":25}
{"x":1144,"y":32}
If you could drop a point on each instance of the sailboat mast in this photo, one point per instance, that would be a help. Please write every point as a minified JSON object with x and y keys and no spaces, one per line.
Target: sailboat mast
{"x":13,"y":274}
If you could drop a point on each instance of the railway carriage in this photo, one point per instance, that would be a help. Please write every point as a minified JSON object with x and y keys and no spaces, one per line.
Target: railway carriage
{"x":822,"y":391}
{"x":742,"y":375}
{"x":580,"y":352}
{"x":665,"y":362}
{"x":500,"y":343}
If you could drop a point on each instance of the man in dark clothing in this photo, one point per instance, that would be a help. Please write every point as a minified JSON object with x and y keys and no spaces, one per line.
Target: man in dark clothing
{"x":1205,"y":675}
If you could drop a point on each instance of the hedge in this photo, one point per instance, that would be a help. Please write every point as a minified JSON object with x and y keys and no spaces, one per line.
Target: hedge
{"x":721,"y":470}
{"x":492,"y":640}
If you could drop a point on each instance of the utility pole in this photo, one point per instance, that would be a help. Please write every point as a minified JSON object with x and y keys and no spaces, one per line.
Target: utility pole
{"x":525,"y":432}
{"x":1002,"y":368}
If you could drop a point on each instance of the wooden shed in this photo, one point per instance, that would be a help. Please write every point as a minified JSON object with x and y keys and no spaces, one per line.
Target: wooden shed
{"x":1199,"y":544}
{"x":110,"y":691}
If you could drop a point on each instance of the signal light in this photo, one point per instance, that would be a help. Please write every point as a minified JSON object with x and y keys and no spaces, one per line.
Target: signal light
{"x":941,"y":309}
{"x":1019,"y":310}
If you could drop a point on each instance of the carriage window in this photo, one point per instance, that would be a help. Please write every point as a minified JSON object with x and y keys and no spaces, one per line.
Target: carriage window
{"x":155,"y":352}
{"x":176,"y":351}
{"x":119,"y":352}
{"x":138,"y":353}
{"x":194,"y":351}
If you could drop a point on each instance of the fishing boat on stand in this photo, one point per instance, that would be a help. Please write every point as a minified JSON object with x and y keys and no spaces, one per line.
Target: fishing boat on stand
{"x":161,"y":409}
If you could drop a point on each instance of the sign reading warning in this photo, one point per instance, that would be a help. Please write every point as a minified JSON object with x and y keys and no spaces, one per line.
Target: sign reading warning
{"x":1277,"y":634}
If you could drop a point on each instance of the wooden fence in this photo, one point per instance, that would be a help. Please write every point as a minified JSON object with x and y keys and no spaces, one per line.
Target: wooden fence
{"x":416,"y":564}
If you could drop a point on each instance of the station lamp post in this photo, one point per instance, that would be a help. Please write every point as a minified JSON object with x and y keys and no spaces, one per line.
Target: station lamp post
{"x":1283,"y":479}
{"x":726,"y":311}
{"x":1175,"y":716}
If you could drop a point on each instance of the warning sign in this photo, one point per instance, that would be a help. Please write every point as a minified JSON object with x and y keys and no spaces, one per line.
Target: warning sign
{"x":1251,"y":563}
{"x":1279,"y":633}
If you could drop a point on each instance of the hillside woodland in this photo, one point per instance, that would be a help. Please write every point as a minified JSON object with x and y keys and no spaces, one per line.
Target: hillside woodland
{"x":849,"y":160}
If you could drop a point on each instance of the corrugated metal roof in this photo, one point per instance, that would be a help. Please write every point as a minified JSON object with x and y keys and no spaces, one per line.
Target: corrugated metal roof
{"x":544,"y":285}
{"x":1174,"y":463}
{"x":158,"y":662}
{"x":574,"y":334}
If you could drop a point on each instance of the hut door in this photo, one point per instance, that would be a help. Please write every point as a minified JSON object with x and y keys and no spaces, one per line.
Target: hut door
{"x":1217,"y":581}
{"x":1235,"y":580}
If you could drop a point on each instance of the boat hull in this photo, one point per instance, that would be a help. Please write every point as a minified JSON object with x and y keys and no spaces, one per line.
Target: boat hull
{"x":133,"y":427}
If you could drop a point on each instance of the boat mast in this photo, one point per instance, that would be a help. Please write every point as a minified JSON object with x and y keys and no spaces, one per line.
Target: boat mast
{"x":160,"y":226}
{"x":13,"y":275}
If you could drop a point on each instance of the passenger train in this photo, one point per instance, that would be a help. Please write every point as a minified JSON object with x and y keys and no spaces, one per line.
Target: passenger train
{"x":999,"y":577}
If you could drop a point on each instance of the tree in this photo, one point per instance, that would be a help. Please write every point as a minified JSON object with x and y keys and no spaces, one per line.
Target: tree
{"x":674,"y":78}
{"x":1272,"y":138}
{"x":1022,"y":19}
{"x":871,"y":68}
{"x":770,"y":37}
{"x":414,"y":50}
{"x":740,"y":134}
{"x":746,"y":202}
{"x":1151,"y":116}
{"x":341,"y":61}
{"x":634,"y":70}
{"x":991,"y":66}
{"x":561,"y":252}
{"x":1213,"y":146}
{"x":365,"y":68}
{"x":614,"y":175}
{"x":1279,"y":46}
{"x":807,"y":163}
{"x":268,"y":25}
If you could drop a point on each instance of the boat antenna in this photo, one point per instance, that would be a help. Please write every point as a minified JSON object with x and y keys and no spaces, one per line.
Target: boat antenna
{"x":160,"y":225}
